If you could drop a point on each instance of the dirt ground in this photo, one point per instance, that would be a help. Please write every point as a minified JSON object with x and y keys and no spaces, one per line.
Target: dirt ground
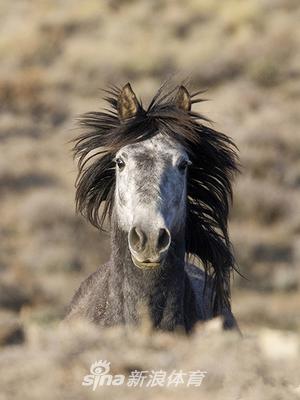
{"x":55,"y":57}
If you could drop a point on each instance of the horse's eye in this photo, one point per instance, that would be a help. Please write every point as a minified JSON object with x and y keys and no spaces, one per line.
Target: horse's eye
{"x":182,"y":166}
{"x":120,"y":163}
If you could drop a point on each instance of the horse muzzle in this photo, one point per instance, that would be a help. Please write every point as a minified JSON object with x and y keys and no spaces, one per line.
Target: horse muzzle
{"x":148,"y":248}
{"x":146,"y":265}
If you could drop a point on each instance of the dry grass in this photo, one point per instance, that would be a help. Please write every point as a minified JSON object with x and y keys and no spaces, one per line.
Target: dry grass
{"x":52,"y":364}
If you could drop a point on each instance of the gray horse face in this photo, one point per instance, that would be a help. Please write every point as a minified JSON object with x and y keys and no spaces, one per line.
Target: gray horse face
{"x":150,"y":197}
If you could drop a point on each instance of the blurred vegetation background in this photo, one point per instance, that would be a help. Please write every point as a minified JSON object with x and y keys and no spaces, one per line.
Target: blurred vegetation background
{"x":55,"y":56}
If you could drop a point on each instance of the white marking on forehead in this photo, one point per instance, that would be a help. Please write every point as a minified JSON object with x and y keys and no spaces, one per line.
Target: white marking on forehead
{"x":150,"y":187}
{"x":159,"y":144}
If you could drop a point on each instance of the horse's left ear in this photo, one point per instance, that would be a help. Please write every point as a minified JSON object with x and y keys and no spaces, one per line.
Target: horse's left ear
{"x":128,"y":104}
{"x":183,"y":99}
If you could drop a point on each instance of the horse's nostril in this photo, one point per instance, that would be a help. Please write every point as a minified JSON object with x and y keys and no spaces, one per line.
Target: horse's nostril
{"x":149,"y":245}
{"x":164,"y":239}
{"x":137,"y":239}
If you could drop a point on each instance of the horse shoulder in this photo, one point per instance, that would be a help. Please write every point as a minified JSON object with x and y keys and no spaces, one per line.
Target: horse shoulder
{"x":89,"y":300}
{"x":202,"y":287}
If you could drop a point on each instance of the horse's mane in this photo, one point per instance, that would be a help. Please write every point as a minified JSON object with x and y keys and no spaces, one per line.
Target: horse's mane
{"x":209,"y":191}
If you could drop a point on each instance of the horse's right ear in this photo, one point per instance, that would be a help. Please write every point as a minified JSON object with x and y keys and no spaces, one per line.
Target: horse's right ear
{"x":128,"y":104}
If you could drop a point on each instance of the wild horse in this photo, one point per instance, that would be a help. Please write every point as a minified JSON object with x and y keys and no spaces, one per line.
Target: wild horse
{"x":163,"y":179}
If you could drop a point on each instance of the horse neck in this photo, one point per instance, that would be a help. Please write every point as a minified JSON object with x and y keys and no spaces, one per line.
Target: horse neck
{"x":161,"y":291}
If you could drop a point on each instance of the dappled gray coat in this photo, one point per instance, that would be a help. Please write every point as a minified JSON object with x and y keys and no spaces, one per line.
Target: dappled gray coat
{"x":164,"y":180}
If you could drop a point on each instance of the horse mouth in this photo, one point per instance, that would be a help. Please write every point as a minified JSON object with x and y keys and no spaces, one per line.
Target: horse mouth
{"x":145,"y":265}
